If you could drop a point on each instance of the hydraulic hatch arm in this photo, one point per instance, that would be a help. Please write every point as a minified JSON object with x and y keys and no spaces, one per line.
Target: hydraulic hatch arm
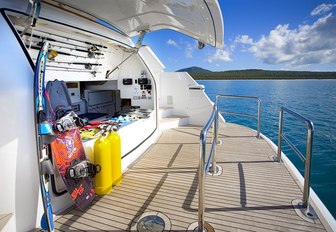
{"x":135,"y":50}
{"x":34,"y":7}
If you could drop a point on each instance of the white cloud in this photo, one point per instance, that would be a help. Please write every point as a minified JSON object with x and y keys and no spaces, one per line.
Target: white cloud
{"x":186,"y":46}
{"x":307,"y":44}
{"x":172,"y":42}
{"x":189,"y":49}
{"x":244,"y":39}
{"x":220,"y":55}
{"x":323,"y":8}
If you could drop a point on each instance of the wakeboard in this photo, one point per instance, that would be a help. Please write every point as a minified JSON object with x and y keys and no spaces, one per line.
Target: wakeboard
{"x":67,"y":149}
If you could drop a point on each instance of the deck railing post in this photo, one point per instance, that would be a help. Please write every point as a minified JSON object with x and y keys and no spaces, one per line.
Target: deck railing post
{"x":201,"y":178}
{"x":205,"y":167}
{"x":306,"y":159}
{"x":259,"y":112}
{"x":279,"y":135}
{"x":243,"y":114}
{"x":214,"y":140}
{"x":309,"y":148}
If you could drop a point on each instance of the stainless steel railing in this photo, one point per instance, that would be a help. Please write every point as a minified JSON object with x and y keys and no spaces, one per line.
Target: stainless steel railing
{"x":309,"y":148}
{"x":241,"y":114}
{"x":204,"y":165}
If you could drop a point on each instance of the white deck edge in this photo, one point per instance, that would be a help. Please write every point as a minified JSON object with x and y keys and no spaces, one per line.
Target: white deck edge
{"x":323,"y":213}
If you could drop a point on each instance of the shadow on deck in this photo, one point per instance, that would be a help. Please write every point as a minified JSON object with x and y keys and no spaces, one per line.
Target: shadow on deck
{"x":253,"y":193}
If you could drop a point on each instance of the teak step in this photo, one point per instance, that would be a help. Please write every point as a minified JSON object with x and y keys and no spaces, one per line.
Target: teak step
{"x":165,"y":112}
{"x":173,"y":122}
{"x":4,"y":219}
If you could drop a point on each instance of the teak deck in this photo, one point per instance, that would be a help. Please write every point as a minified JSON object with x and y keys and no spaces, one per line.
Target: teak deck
{"x":253,"y":193}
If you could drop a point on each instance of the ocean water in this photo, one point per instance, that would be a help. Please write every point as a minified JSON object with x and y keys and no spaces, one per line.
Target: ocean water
{"x":314,"y":99}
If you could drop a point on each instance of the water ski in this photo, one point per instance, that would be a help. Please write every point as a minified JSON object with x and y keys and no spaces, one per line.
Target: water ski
{"x":44,"y":135}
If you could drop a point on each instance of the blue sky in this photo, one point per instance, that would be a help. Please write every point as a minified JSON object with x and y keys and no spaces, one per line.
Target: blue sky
{"x":263,"y":34}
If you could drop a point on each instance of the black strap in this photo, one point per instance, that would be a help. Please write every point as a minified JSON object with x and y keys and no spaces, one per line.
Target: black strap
{"x":68,"y":120}
{"x":82,"y":169}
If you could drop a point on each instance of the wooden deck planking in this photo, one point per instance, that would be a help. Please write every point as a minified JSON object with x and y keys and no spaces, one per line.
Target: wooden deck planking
{"x":253,"y":193}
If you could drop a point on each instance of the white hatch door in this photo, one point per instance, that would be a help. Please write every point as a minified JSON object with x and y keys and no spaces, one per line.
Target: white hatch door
{"x":199,"y":19}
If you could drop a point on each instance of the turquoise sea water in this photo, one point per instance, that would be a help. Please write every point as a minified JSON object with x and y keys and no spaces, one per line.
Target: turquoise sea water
{"x":314,"y":99}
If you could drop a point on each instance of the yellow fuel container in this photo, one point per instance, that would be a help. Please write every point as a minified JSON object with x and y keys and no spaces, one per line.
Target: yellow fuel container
{"x":102,"y":157}
{"x":116,"y":157}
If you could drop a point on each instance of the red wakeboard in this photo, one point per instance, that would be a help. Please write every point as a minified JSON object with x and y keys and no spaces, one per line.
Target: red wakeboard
{"x":68,"y":150}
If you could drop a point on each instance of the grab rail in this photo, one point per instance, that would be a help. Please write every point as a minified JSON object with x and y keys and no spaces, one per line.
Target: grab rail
{"x":309,"y":148}
{"x":241,"y":114}
{"x":205,"y":166}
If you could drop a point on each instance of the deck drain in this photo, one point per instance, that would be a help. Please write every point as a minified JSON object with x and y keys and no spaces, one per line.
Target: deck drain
{"x":194,"y":227}
{"x":218,"y":171}
{"x":151,"y":222}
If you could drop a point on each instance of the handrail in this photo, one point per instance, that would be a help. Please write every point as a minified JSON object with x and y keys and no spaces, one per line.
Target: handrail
{"x":205,"y":166}
{"x":309,"y":148}
{"x":241,"y":114}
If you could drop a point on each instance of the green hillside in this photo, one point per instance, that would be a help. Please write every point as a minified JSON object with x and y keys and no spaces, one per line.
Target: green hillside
{"x":260,"y":74}
{"x":193,"y":69}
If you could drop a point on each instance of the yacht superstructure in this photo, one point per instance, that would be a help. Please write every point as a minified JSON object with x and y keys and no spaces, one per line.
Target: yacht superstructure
{"x":108,"y":76}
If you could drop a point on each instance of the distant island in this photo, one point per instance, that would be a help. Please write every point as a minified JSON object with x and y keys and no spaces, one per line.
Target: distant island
{"x":255,"y":74}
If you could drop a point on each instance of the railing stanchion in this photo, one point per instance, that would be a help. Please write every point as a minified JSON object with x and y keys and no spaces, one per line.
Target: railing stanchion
{"x":240,"y":114}
{"x":212,"y":168}
{"x":306,"y":159}
{"x":308,"y":166}
{"x":204,"y":166}
{"x":215,"y":140}
{"x":201,"y":178}
{"x":259,"y":112}
{"x":279,"y":135}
